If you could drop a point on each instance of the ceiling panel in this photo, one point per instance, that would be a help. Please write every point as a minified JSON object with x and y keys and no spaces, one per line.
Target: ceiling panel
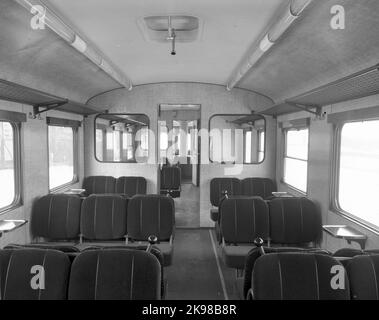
{"x":229,"y":28}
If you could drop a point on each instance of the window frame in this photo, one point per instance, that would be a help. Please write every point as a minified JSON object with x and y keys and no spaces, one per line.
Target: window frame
{"x":17,"y":161}
{"x":75,"y":135}
{"x":284,"y":156}
{"x":229,"y":162}
{"x":133,"y":160}
{"x":335,"y":177}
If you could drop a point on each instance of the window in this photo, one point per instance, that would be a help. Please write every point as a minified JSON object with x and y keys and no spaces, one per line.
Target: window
{"x":125,"y":137}
{"x":261,"y":145}
{"x":234,"y":139}
{"x":358,"y":170}
{"x":296,"y":158}
{"x":62,"y":155}
{"x":248,"y":146}
{"x":9,"y":165}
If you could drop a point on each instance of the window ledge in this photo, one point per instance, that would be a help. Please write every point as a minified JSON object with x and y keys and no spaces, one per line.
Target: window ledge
{"x":64,"y":187}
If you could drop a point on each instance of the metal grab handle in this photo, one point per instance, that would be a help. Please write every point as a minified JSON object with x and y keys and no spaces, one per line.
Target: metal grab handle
{"x":258,"y":242}
{"x":152,"y":240}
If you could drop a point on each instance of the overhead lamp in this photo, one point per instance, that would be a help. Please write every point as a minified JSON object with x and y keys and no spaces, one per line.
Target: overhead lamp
{"x":294,"y":10}
{"x":57,"y":25}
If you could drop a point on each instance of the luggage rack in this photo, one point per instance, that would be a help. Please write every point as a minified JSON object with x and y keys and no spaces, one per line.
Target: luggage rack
{"x":41,"y":101}
{"x":358,"y":85}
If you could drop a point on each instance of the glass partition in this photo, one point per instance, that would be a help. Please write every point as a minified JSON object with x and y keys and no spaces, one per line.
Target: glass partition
{"x":237,"y":138}
{"x":122,"y":137}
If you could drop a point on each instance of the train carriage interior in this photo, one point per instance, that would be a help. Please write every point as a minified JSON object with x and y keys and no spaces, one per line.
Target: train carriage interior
{"x":189,"y":150}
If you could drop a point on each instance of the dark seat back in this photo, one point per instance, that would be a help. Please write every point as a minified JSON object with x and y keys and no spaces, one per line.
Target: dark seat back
{"x":363,"y":272}
{"x":219,"y":185}
{"x":104,"y":217}
{"x":99,"y":184}
{"x":56,"y":217}
{"x":131,"y":186}
{"x":294,"y":221}
{"x":151,"y":215}
{"x":297,"y":276}
{"x":115,"y":274}
{"x":244,"y":219}
{"x":255,"y":253}
{"x":16,"y":274}
{"x":170,"y":178}
{"x":261,"y":187}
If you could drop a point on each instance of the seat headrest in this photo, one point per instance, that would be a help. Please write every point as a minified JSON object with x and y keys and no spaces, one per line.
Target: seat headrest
{"x":299,"y":276}
{"x":131,"y":186}
{"x":104,"y":217}
{"x":56,"y":217}
{"x":99,"y":184}
{"x":17,"y":274}
{"x":151,"y":215}
{"x":262,"y":187}
{"x":115,"y":274}
{"x":244,"y":219}
{"x":294,"y":221}
{"x":219,"y":185}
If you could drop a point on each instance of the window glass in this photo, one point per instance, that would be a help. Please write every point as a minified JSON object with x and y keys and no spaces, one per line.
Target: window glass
{"x":235,"y":138}
{"x":261,"y":149}
{"x":7,"y":165}
{"x":126,"y":137}
{"x":247,"y":146}
{"x":358,"y":181}
{"x":61,"y":156}
{"x":296,"y":158}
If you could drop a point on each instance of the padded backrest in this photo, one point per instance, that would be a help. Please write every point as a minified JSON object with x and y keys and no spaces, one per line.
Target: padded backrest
{"x":170,"y":177}
{"x":115,"y":274}
{"x":151,"y":215}
{"x":294,"y":221}
{"x":363,"y":272}
{"x":131,"y":186}
{"x":56,"y":217}
{"x":244,"y":219}
{"x":16,"y":274}
{"x":261,"y":187}
{"x":99,"y":184}
{"x":219,"y":185}
{"x":255,"y":253}
{"x":103,"y":217}
{"x":298,"y":276}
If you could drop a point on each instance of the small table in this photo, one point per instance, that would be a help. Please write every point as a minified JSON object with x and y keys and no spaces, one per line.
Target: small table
{"x":10,"y":225}
{"x":346,"y":232}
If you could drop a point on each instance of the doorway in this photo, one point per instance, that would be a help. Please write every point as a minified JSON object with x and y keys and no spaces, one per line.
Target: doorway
{"x":179,"y":145}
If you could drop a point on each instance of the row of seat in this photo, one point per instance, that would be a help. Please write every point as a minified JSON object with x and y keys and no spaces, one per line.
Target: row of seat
{"x":295,"y":275}
{"x":129,"y":186}
{"x":260,"y":187}
{"x":93,"y":275}
{"x":279,"y":222}
{"x":68,"y":223}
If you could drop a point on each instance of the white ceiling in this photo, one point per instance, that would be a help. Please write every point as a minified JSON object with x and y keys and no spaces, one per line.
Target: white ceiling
{"x":229,"y":29}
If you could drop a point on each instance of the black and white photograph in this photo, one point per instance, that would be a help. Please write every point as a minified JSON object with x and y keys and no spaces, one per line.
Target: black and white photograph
{"x":194,"y":156}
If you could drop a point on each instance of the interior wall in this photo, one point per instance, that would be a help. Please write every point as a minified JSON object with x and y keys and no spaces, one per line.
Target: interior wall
{"x":213,"y":99}
{"x":320,"y":170}
{"x":34,"y":155}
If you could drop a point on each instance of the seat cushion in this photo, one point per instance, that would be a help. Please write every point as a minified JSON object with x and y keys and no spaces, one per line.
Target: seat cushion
{"x":115,"y":274}
{"x":234,"y":256}
{"x":16,"y":274}
{"x":298,"y":276}
{"x":214,"y":214}
{"x":56,"y":217}
{"x":166,"y":249}
{"x":59,"y":246}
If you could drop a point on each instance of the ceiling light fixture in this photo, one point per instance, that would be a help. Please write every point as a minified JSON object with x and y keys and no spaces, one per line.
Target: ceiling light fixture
{"x":294,"y":10}
{"x":65,"y":32}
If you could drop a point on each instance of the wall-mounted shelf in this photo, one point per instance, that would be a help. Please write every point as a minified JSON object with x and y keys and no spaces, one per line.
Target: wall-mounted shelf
{"x":41,"y":101}
{"x":358,"y":85}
